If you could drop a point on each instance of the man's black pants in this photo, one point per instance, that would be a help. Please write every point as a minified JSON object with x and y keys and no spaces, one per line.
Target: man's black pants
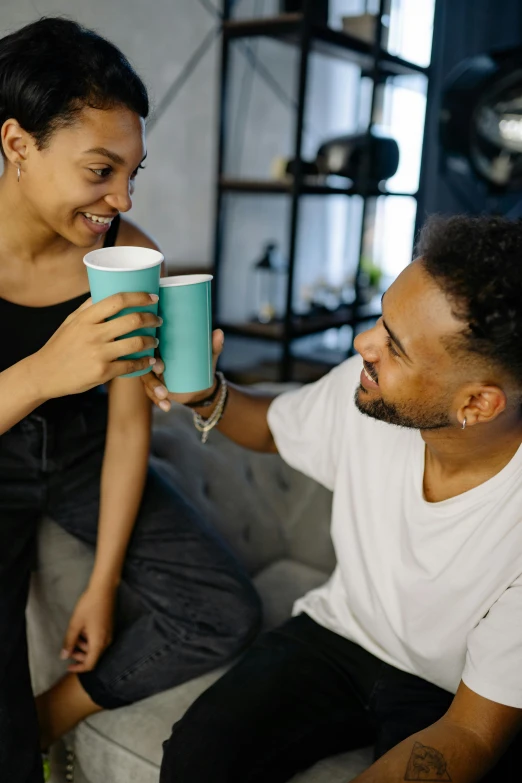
{"x":299,"y":694}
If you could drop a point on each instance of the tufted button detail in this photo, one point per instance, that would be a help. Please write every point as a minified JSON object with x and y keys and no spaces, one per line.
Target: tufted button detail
{"x":281,"y":482}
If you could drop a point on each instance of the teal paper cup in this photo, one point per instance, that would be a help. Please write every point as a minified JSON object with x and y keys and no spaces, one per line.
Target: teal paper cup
{"x":116,"y":270}
{"x":186,"y":332}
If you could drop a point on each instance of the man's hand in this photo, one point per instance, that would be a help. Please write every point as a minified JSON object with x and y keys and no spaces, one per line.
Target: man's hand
{"x":155,"y":386}
{"x":90,"y":629}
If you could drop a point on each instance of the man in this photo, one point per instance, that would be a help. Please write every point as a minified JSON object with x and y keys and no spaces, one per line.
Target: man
{"x":415,"y":643}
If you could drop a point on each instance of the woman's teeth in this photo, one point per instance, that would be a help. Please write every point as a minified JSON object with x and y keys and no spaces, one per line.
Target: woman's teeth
{"x":96,"y":219}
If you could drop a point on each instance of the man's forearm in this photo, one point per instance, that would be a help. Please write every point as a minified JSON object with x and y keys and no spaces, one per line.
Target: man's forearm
{"x":123,"y":478}
{"x":245,"y":419}
{"x":444,"y":751}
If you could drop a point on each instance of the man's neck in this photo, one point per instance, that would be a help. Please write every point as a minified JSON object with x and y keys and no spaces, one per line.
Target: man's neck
{"x":457,"y":461}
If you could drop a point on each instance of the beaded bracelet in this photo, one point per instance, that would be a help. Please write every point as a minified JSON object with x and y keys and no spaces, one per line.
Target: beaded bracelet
{"x":206,"y":425}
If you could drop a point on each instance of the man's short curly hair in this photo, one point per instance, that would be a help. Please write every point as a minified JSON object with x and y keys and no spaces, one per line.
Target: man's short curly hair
{"x":477,"y":262}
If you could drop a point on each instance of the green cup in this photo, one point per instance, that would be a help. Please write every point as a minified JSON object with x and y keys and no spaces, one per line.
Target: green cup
{"x":116,"y":270}
{"x":186,"y":332}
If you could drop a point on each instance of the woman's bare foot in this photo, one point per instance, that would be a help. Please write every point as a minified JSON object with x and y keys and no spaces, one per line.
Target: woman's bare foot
{"x":61,"y":708}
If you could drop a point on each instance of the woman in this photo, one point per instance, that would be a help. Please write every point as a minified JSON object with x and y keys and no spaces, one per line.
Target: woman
{"x":72,"y":115}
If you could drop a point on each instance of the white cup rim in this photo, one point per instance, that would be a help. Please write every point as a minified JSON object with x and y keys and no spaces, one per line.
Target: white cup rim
{"x":180,"y":280}
{"x":155,"y":258}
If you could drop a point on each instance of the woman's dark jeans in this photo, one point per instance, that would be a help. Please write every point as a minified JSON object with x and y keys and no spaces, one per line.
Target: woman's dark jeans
{"x":299,"y":694}
{"x":184,"y":607}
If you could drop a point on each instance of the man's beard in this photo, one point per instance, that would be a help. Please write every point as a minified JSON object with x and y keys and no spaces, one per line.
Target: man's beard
{"x":409,"y":414}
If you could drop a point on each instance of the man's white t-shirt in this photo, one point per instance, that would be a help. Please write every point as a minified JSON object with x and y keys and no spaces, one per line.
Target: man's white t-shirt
{"x":434,"y":589}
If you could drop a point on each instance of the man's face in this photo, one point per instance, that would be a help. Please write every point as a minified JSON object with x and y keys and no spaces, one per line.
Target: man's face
{"x":414,"y":380}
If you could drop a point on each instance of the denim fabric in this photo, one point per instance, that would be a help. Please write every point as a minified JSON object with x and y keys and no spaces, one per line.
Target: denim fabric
{"x":184,"y":606}
{"x":300,"y":694}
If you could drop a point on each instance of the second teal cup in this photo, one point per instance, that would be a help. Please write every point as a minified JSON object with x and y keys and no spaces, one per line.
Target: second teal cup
{"x":186,"y":333}
{"x":115,"y":270}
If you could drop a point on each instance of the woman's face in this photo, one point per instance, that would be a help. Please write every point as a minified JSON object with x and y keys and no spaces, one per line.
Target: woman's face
{"x":85,"y":175}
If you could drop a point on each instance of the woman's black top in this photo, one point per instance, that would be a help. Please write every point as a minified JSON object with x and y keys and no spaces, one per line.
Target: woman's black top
{"x":26,"y":329}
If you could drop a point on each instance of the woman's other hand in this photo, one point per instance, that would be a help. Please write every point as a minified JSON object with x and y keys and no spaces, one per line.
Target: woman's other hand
{"x":156,"y":389}
{"x":90,"y":629}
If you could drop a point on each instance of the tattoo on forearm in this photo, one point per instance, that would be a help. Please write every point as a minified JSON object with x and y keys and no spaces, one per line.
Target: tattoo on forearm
{"x":426,"y":764}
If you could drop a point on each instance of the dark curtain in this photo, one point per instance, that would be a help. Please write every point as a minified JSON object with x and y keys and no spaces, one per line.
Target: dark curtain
{"x":462,"y":28}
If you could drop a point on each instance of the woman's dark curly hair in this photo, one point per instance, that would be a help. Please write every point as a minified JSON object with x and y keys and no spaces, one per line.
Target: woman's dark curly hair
{"x":51,"y":69}
{"x":477,"y":262}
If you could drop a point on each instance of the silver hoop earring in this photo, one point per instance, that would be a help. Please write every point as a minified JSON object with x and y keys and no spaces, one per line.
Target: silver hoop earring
{"x":464,"y":423}
{"x":18,"y":171}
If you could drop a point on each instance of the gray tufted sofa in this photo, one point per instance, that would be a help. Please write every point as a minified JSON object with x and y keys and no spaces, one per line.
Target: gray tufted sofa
{"x":275,"y":519}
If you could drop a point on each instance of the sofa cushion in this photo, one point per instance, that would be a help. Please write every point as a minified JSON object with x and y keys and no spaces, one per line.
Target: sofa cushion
{"x":265,"y":509}
{"x":135,"y":733}
{"x":281,"y":584}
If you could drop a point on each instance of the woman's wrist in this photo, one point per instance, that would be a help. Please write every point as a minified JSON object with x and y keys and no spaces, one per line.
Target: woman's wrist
{"x":30,"y":381}
{"x":106,"y":581}
{"x":34,"y":375}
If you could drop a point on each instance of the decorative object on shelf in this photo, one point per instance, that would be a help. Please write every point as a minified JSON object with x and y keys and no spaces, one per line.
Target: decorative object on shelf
{"x":369,"y":281}
{"x":269,"y":285}
{"x":481,"y":119}
{"x":283,"y":169}
{"x":325,"y":297}
{"x":319,"y":9}
{"x":344,"y":156}
{"x":365,"y":26}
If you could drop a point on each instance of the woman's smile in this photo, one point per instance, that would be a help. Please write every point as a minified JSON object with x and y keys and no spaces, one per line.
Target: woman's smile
{"x":97,"y":224}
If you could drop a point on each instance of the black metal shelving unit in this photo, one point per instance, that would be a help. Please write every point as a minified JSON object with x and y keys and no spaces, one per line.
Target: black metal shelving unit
{"x":299,"y":30}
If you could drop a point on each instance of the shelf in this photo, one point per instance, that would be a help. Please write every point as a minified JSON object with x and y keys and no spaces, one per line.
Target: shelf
{"x":304,"y":371}
{"x":275,"y":187}
{"x":325,"y":40}
{"x":304,"y":326}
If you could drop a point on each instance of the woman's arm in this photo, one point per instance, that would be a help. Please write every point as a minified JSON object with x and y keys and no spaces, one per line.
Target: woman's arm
{"x":126,"y":456}
{"x":123,"y":478}
{"x":20,"y":393}
{"x":124,"y":473}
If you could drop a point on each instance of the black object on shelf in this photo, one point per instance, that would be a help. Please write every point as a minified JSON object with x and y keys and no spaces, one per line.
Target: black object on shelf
{"x":319,"y":9}
{"x":299,"y":25}
{"x":268,"y":276}
{"x":345,"y":156}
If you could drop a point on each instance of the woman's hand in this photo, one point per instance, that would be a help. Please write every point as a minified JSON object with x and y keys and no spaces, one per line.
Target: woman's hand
{"x":156,"y":389}
{"x":84,"y":352}
{"x":90,"y":629}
